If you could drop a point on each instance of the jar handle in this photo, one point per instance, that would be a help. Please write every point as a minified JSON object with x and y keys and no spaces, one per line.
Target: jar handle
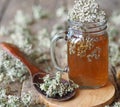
{"x":52,"y":50}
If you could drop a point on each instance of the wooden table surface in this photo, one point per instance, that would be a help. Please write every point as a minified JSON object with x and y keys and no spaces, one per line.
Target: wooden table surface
{"x":8,"y":9}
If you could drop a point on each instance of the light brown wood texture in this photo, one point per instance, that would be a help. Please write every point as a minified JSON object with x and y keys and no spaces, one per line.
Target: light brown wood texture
{"x":3,"y":6}
{"x":13,"y":7}
{"x":86,"y":98}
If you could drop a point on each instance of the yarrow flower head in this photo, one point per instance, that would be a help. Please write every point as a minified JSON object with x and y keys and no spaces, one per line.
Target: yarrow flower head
{"x":87,"y":11}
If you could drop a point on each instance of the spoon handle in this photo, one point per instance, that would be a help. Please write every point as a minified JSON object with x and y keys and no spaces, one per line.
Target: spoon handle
{"x":14,"y":51}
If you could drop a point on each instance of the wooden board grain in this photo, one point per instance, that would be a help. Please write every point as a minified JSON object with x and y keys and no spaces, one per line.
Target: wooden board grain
{"x":3,"y":6}
{"x":109,"y":5}
{"x":13,"y":7}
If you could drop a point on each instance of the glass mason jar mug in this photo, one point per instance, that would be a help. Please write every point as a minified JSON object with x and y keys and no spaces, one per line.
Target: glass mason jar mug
{"x":87,"y":51}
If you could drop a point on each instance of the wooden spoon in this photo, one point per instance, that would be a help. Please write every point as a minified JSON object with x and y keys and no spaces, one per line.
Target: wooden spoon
{"x":14,"y":51}
{"x":35,"y":71}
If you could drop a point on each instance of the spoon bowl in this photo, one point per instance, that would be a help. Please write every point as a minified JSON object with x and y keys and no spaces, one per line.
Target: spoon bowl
{"x":37,"y":81}
{"x":36,"y":73}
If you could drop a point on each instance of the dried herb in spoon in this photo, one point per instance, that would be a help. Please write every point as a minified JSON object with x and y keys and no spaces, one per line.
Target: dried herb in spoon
{"x":56,"y":86}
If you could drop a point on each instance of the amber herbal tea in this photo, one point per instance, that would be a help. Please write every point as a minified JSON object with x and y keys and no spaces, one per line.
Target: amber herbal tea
{"x":88,"y":60}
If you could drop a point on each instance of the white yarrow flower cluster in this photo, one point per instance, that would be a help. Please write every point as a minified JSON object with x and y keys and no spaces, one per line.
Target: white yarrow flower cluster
{"x":115,"y":18}
{"x":3,"y":31}
{"x":14,"y":101}
{"x":20,"y":34}
{"x":43,"y":35}
{"x":55,"y":86}
{"x":114,"y":54}
{"x":26,"y":98}
{"x":87,"y":11}
{"x":22,"y":19}
{"x":116,"y":104}
{"x":39,"y":13}
{"x":11,"y":68}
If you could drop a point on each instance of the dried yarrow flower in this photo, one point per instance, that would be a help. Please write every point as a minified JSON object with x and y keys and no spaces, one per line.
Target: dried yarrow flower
{"x":116,"y":104}
{"x":54,"y":86}
{"x":22,"y":19}
{"x":114,"y":53}
{"x":11,"y":68}
{"x":3,"y":31}
{"x":87,"y":11}
{"x":14,"y":101}
{"x":62,"y":12}
{"x":39,"y":13}
{"x":26,"y":98}
{"x":115,"y":17}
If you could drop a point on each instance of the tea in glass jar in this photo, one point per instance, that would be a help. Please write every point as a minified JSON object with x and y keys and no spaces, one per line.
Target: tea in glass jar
{"x":87,"y":45}
{"x":88,"y":59}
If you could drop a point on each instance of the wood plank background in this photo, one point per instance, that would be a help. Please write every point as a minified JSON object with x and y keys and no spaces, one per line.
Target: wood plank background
{"x":8,"y":9}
